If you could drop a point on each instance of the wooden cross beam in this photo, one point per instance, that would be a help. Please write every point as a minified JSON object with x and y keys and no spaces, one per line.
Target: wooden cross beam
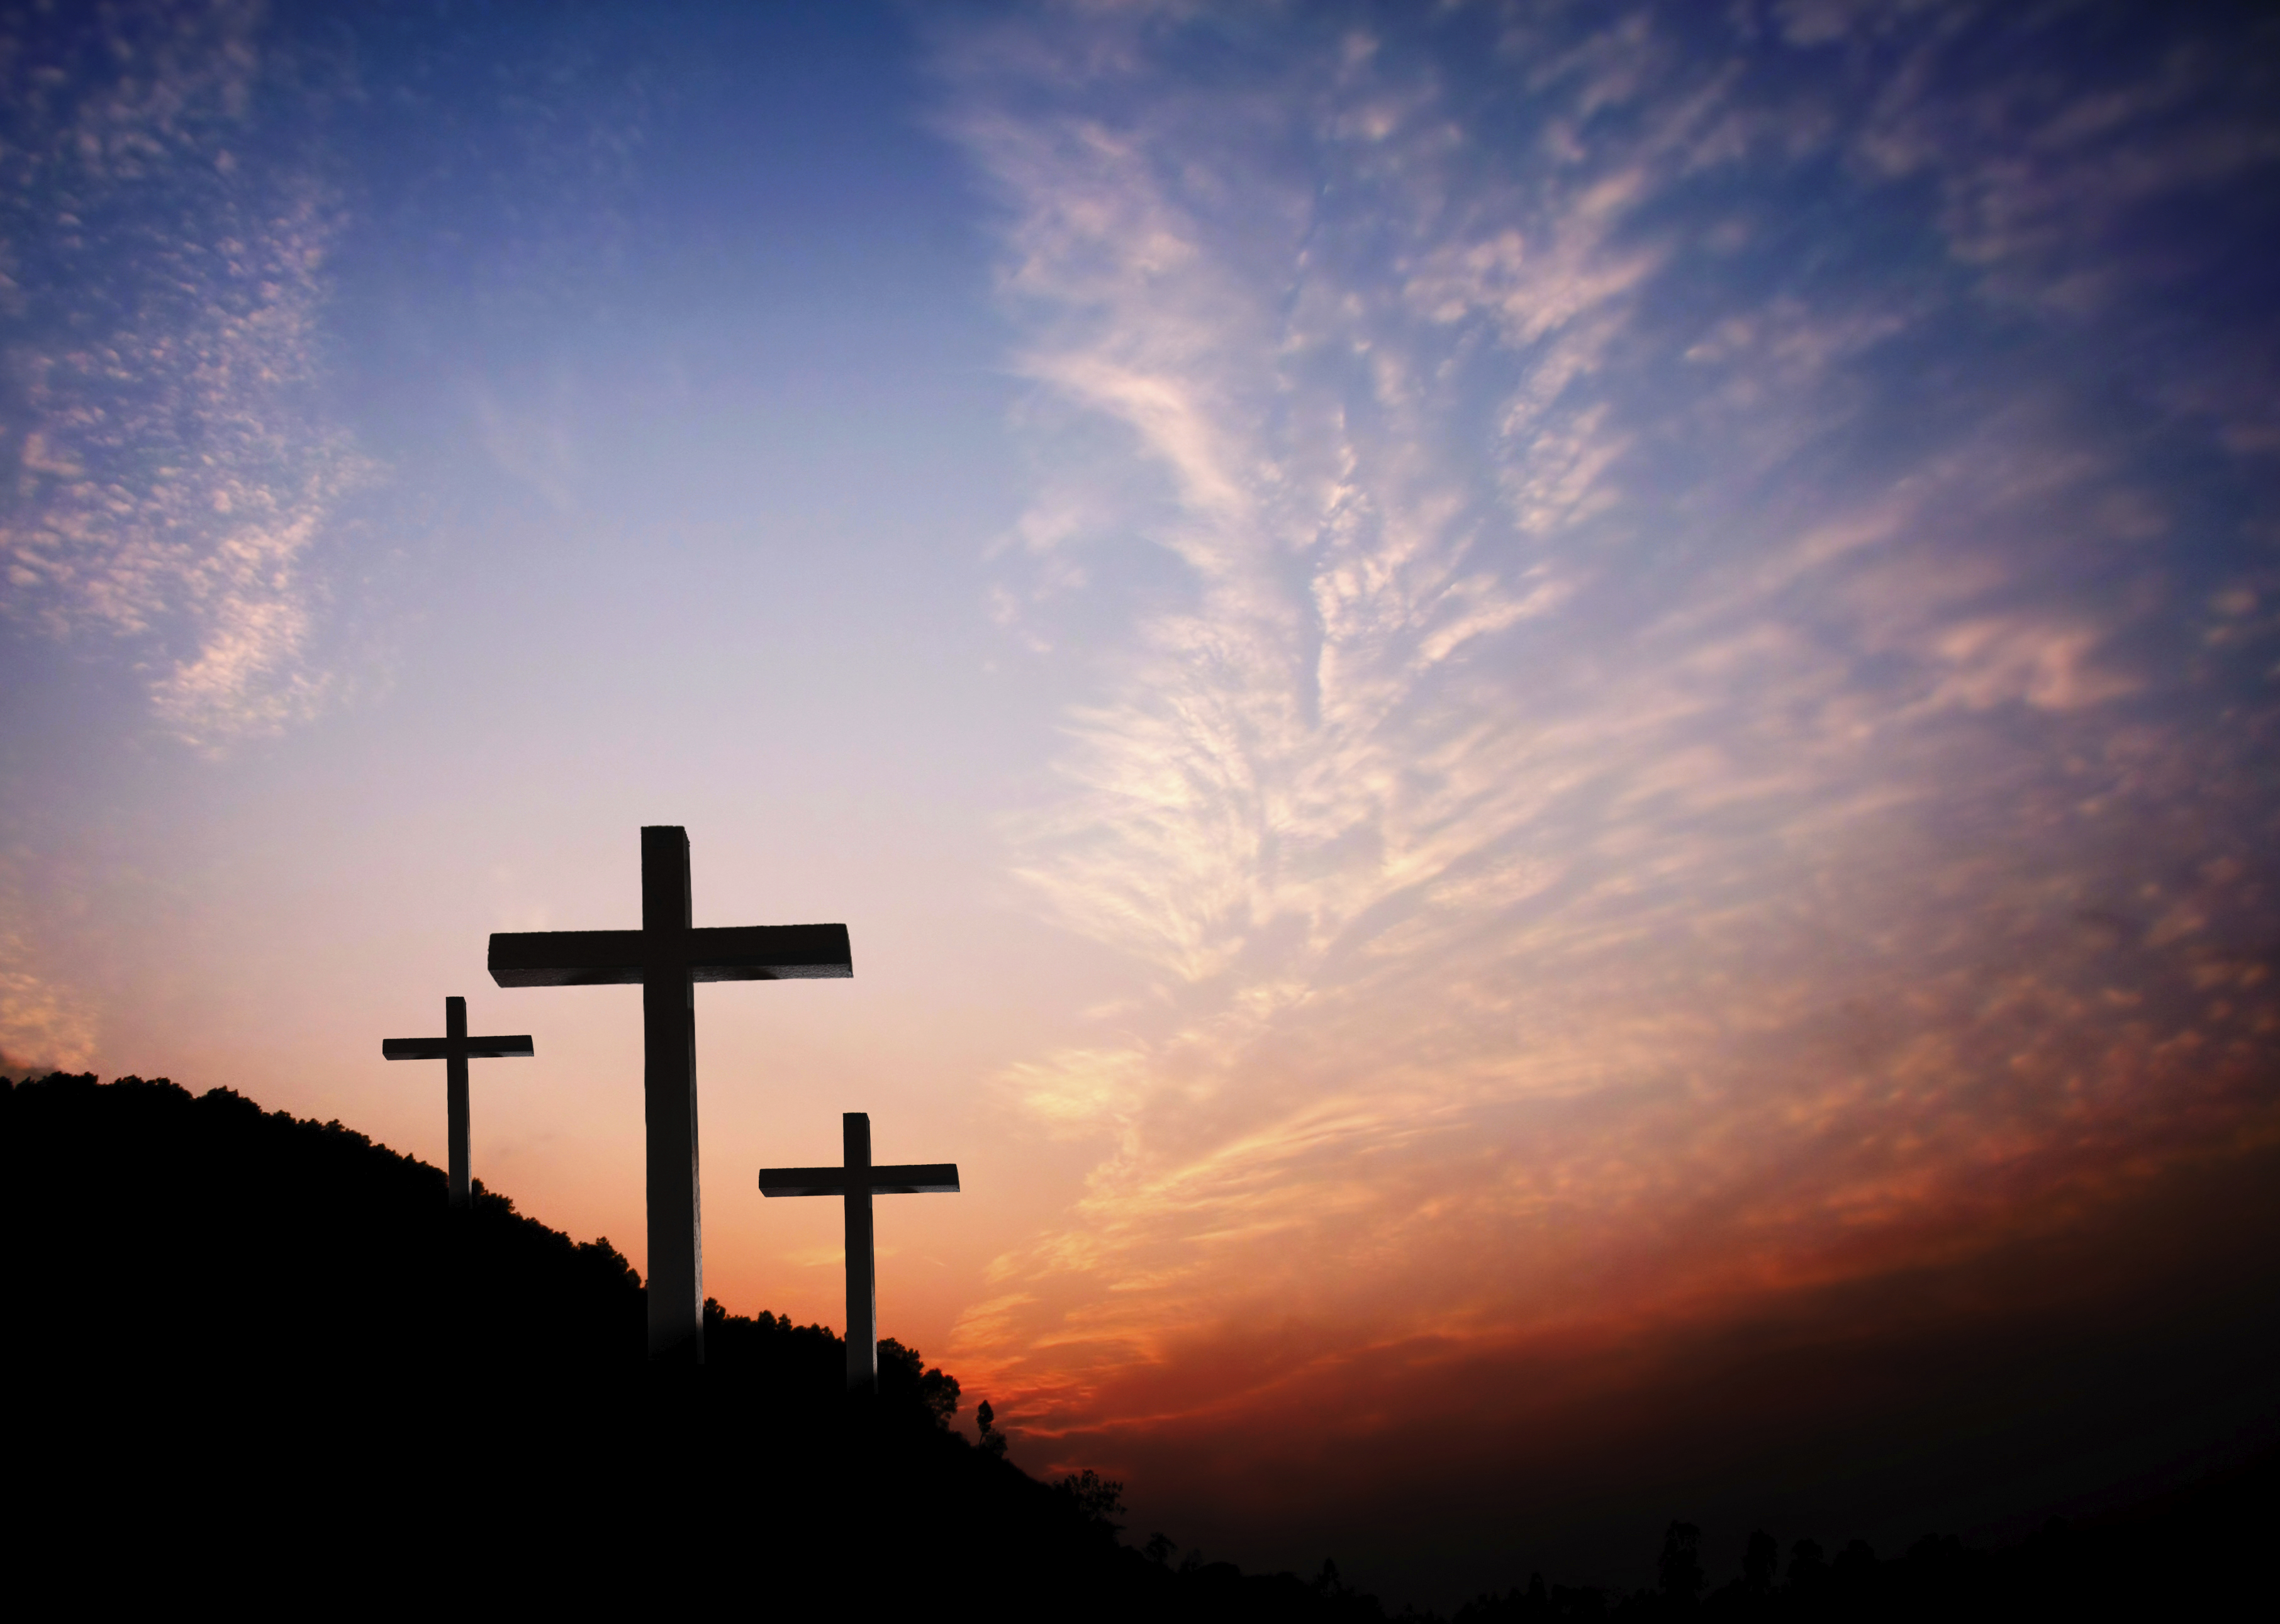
{"x":454,"y":1049}
{"x":859,"y":1180}
{"x":668,"y":956}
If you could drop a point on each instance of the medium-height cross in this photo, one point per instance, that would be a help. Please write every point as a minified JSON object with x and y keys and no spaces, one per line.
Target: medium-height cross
{"x":454,"y":1049}
{"x":667,"y":957}
{"x":859,"y":1180}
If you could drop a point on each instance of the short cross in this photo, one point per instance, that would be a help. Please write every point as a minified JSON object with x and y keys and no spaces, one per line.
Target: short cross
{"x":454,"y":1049}
{"x":859,"y":1180}
{"x":667,"y":957}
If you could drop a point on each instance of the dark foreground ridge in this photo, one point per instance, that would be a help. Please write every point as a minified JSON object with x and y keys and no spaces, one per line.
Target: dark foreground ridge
{"x":260,"y":1358}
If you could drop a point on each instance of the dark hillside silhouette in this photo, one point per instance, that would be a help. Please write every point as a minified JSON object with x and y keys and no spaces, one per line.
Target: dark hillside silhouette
{"x":262,"y":1358}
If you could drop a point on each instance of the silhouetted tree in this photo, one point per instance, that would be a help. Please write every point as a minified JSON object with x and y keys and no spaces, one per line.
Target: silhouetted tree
{"x":993,"y":1440}
{"x":1855,"y":1567}
{"x":1095,"y":1498}
{"x":1808,"y":1569}
{"x":1679,"y":1568}
{"x":905,"y":1380}
{"x":1759,"y":1563}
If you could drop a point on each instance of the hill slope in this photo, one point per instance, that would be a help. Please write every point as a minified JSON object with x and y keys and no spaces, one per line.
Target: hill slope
{"x":260,"y":1353}
{"x":259,"y":1359}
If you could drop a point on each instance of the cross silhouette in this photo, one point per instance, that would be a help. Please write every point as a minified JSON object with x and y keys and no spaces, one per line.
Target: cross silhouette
{"x":454,"y":1049}
{"x":859,"y":1180}
{"x":668,"y":956}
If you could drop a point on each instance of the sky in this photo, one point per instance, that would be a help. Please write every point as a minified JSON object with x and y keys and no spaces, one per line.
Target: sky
{"x":1548,"y":730}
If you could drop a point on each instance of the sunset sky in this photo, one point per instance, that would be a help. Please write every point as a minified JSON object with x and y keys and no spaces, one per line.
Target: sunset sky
{"x":1550,"y":732}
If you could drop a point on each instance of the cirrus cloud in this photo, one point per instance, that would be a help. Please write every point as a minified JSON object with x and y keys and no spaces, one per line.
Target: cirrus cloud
{"x":174,"y":475}
{"x":1700,"y":751}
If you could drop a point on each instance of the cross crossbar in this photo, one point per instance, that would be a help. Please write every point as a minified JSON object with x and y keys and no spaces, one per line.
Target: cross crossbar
{"x":456,"y":1047}
{"x":713,"y":953}
{"x":911,"y":1179}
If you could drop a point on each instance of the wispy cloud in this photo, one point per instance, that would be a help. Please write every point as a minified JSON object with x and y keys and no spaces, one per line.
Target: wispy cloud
{"x":43,"y":1025}
{"x":174,"y":477}
{"x":1690,"y":762}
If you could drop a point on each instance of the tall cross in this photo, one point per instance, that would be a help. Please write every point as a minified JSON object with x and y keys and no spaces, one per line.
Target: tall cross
{"x":668,"y":956}
{"x":859,"y":1180}
{"x":454,"y":1049}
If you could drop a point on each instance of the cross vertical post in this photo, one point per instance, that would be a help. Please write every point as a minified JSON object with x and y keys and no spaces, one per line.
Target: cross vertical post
{"x":676,"y":1258}
{"x":455,"y":1100}
{"x":862,"y":1268}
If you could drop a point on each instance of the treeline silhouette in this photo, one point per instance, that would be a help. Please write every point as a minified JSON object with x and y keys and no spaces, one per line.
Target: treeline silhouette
{"x":260,"y":1358}
{"x":2201,"y":1550}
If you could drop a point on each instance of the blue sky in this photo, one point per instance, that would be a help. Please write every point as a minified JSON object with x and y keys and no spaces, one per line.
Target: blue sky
{"x":1483,"y":683}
